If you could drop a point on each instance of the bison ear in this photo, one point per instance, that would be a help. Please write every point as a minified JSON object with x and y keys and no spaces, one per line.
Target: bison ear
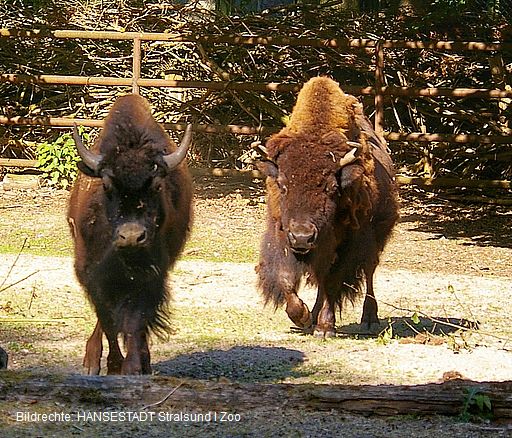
{"x":349,"y":174}
{"x":267,"y":168}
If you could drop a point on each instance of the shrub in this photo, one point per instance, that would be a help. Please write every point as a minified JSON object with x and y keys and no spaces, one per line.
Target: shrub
{"x":58,"y":161}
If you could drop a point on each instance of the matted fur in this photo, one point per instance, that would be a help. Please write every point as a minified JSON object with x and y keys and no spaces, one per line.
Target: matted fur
{"x":130,"y":284}
{"x":322,"y":107}
{"x":353,"y":209}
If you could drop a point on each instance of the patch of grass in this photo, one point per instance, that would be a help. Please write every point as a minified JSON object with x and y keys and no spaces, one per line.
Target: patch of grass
{"x":476,"y":407}
{"x":205,"y":243}
{"x":51,"y":240}
{"x":213,"y":245}
{"x":20,"y":346}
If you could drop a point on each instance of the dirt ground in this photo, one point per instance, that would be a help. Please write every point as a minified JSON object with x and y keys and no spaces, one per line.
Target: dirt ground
{"x":450,"y":263}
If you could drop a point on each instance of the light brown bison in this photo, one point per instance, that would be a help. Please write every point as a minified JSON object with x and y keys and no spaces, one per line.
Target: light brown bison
{"x":129,"y":214}
{"x":331,"y":207}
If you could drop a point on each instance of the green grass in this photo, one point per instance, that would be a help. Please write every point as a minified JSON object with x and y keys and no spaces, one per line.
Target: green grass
{"x":50,"y":243}
{"x":209,"y":244}
{"x":204,"y":243}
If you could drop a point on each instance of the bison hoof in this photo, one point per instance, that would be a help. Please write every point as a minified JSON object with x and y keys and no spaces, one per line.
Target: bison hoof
{"x":324,"y":332}
{"x":114,"y":368}
{"x":300,"y":316}
{"x":370,"y":323}
{"x":93,"y":371}
{"x":92,"y":366}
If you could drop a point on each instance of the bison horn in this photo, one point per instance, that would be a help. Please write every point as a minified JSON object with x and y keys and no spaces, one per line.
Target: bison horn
{"x":173,"y":160}
{"x":349,"y":157}
{"x":259,"y":148}
{"x":90,"y":159}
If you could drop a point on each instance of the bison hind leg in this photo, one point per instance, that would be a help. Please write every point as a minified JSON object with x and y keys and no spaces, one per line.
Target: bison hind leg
{"x":94,"y":350}
{"x":369,"y":318}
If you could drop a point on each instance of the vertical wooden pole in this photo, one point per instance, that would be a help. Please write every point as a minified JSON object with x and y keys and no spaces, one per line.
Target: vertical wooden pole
{"x":379,"y":84}
{"x":136,"y":65}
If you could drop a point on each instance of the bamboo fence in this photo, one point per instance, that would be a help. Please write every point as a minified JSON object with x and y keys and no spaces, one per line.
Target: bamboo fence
{"x":379,"y":90}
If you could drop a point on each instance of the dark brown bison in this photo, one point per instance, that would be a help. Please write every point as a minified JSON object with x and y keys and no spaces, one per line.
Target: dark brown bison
{"x":129,"y":214}
{"x":331,"y":207}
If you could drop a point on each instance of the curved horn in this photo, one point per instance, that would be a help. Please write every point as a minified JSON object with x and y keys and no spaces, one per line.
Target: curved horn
{"x":260,"y":149}
{"x":174,"y":159}
{"x":349,"y":157}
{"x":90,"y":159}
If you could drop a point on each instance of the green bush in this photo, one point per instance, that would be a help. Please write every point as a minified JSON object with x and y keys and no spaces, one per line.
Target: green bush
{"x":58,"y":160}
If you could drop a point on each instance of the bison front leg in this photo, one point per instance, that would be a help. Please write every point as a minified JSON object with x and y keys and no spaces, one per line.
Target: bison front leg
{"x":145,"y":357}
{"x":297,"y":311}
{"x":283,"y":289}
{"x":323,"y":315}
{"x":94,"y":350}
{"x":115,"y":357}
{"x":137,"y":360}
{"x":278,"y":278}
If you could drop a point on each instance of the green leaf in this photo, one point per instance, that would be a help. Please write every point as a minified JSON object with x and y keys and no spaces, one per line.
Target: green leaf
{"x":415,"y":318}
{"x":487,"y":403}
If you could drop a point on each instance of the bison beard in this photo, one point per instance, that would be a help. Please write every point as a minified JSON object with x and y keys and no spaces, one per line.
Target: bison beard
{"x":331,"y":207}
{"x":129,"y":214}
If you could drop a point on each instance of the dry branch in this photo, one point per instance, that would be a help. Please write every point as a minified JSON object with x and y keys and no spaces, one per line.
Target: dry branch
{"x":285,"y":46}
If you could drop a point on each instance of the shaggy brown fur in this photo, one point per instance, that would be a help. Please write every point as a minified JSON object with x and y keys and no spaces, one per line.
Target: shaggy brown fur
{"x":129,"y":219}
{"x":325,"y":222}
{"x":322,"y":107}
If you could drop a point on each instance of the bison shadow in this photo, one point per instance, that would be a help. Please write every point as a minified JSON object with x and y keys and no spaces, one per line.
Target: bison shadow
{"x":241,"y":363}
{"x":485,"y":225}
{"x":405,"y":327}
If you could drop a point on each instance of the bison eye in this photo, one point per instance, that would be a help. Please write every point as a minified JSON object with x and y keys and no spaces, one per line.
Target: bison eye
{"x":156,"y":183}
{"x":282,"y":185}
{"x":107,"y":183}
{"x":331,"y":186}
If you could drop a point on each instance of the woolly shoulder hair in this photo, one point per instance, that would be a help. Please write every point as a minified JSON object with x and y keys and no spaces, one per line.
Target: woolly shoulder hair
{"x":322,"y":106}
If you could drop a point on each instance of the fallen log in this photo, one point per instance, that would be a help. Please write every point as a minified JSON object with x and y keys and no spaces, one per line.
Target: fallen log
{"x":447,"y":398}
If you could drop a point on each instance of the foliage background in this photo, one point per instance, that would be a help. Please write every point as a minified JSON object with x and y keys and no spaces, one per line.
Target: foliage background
{"x":464,"y":20}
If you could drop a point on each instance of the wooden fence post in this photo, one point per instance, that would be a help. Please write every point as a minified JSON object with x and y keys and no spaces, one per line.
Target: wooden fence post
{"x":136,"y":65}
{"x":379,"y":84}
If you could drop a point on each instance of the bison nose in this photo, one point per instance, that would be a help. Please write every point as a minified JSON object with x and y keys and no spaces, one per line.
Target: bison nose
{"x":131,"y":234}
{"x":302,"y":236}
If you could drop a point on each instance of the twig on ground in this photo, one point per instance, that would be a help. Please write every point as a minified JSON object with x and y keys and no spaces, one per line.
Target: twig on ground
{"x":449,"y":324}
{"x":12,"y":266}
{"x":158,"y":403}
{"x":19,"y":281}
{"x":6,"y":320}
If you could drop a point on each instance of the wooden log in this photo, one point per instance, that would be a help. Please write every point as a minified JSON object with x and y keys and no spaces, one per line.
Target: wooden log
{"x":454,"y":182}
{"x":431,"y":399}
{"x":446,"y":398}
{"x":18,"y":162}
{"x":21,"y":182}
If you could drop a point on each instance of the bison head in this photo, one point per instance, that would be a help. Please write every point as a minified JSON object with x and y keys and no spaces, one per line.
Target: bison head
{"x":133,"y":181}
{"x":310,"y":183}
